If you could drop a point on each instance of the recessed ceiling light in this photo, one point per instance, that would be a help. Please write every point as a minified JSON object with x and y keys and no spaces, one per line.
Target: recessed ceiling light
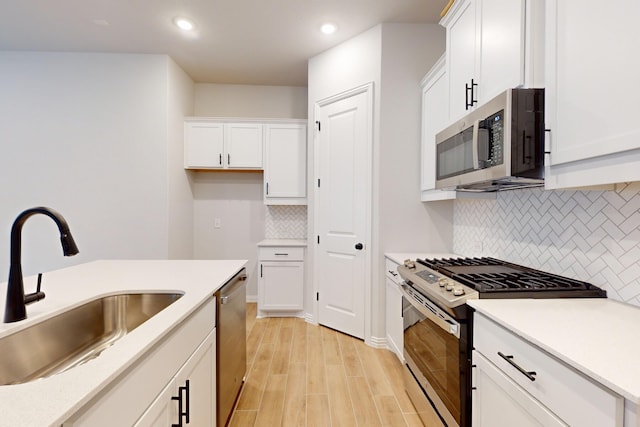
{"x":328,"y":28}
{"x":183,"y":23}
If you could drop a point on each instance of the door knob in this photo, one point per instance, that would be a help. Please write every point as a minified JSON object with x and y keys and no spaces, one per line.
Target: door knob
{"x":359,"y":246}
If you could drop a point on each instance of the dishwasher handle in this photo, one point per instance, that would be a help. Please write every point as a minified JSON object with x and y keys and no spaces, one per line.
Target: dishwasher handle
{"x":233,"y":287}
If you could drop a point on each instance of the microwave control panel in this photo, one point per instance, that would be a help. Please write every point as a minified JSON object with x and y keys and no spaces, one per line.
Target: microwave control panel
{"x":491,"y":140}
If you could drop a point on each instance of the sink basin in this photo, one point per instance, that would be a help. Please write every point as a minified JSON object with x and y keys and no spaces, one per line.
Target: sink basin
{"x":75,"y":336}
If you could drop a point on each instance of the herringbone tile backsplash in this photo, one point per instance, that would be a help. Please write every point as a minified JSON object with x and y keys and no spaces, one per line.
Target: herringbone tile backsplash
{"x":286,"y":222}
{"x":588,"y":235}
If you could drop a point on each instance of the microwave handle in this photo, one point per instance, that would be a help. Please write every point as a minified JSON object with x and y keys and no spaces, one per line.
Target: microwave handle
{"x":476,"y":131}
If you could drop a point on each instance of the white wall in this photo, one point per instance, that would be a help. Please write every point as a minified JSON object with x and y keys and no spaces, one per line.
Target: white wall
{"x":236,"y":197}
{"x":394,"y":57}
{"x":351,"y":64}
{"x":87,"y":134}
{"x":220,"y":100}
{"x":180,"y":104}
{"x":403,"y":222}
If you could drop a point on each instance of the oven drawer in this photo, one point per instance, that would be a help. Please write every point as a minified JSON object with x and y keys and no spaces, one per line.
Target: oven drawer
{"x":391,"y":270}
{"x":573,"y":397}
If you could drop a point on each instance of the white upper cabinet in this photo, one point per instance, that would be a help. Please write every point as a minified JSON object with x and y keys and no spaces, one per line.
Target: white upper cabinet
{"x":203,"y":145}
{"x":214,"y":144}
{"x":285,"y":164}
{"x":592,"y":106}
{"x":492,"y":45}
{"x":461,"y":55}
{"x":243,"y":145}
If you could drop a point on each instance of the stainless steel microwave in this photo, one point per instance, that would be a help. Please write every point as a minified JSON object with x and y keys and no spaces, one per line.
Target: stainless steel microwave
{"x":498,"y":146}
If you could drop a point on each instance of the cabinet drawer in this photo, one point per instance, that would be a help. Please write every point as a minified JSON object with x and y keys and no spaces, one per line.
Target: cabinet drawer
{"x":281,"y":253}
{"x":576,"y":399}
{"x":390,"y":270}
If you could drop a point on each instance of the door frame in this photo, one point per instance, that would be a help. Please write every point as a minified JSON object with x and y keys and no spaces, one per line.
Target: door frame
{"x":367,"y":89}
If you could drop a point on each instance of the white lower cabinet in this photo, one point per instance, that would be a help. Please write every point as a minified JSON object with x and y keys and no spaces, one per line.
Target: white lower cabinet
{"x":280,"y":281}
{"x":500,"y":402}
{"x":394,"y":305}
{"x":516,"y":383}
{"x":144,"y":394}
{"x":190,"y":396}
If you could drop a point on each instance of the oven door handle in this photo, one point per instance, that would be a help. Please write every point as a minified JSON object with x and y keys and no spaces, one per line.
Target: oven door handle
{"x":432,"y":313}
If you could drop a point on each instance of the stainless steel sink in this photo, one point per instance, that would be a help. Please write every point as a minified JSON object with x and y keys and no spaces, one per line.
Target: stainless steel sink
{"x":75,"y":336}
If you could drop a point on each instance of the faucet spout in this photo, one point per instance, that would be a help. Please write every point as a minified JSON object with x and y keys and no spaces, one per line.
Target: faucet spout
{"x":15,"y":306}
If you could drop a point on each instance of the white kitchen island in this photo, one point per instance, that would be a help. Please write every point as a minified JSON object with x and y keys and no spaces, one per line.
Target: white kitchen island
{"x":595,"y":337}
{"x":54,"y":400}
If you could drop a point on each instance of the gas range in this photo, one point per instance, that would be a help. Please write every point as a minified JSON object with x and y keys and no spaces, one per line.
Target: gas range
{"x":450,"y":282}
{"x":438,"y":325}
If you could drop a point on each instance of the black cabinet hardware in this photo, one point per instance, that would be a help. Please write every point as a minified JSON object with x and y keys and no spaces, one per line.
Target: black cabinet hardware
{"x":470,"y":95}
{"x":529,"y":374}
{"x":183,"y":404}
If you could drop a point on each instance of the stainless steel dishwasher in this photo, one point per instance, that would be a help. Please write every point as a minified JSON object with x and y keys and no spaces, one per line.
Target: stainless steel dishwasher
{"x":231,"y":344}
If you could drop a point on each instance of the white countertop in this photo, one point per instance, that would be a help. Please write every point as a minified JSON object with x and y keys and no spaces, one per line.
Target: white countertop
{"x":283,"y":242}
{"x":50,"y":401}
{"x":598,"y":337}
{"x":399,"y":257}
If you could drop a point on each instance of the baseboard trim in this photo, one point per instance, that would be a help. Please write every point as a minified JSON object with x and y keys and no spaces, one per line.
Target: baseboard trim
{"x":378,"y":342}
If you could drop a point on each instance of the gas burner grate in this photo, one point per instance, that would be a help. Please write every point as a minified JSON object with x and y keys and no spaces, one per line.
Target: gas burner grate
{"x":513,"y":282}
{"x":496,"y":277}
{"x":449,"y":262}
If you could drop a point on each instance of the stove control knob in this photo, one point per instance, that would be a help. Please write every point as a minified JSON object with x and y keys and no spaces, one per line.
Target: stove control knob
{"x":449,"y":286}
{"x":442,"y":282}
{"x":458,"y":291}
{"x":409,"y":264}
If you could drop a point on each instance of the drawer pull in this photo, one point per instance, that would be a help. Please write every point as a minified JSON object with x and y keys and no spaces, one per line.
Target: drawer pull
{"x":529,"y":374}
{"x":281,"y":254}
{"x":393,"y":273}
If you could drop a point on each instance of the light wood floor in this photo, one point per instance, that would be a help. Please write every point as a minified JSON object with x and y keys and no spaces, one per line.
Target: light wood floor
{"x":305,"y":375}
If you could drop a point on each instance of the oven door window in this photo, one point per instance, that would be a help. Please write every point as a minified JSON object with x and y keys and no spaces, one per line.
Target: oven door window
{"x":436,"y":353}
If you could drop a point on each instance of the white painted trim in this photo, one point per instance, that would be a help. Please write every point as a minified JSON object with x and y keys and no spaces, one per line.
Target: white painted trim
{"x":378,"y":342}
{"x":308,"y":317}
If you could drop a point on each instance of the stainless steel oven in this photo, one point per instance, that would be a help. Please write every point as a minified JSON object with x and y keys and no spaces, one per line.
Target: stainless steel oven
{"x":437,"y":356}
{"x":438,"y":323}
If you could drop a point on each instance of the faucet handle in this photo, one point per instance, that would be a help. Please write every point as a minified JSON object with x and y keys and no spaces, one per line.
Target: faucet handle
{"x":37,"y":295}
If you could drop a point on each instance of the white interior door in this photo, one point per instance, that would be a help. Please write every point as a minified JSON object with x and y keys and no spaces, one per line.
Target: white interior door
{"x":343,"y":210}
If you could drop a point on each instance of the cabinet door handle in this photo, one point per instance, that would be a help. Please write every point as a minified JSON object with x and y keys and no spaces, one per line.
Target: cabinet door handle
{"x":509,"y":358}
{"x":267,"y":188}
{"x":470,"y":100}
{"x":466,"y":96}
{"x":182,"y":411}
{"x":220,"y":159}
{"x":228,"y":159}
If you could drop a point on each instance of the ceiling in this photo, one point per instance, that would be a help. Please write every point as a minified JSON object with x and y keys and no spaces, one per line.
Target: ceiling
{"x":261,"y":42}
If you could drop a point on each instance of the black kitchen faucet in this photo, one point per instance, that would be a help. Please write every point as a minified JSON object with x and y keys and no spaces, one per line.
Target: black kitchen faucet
{"x":15,"y":307}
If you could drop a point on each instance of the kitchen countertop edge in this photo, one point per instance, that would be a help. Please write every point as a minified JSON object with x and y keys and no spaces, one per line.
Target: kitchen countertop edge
{"x":52,"y":400}
{"x":282,"y":242}
{"x":584,"y":321}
